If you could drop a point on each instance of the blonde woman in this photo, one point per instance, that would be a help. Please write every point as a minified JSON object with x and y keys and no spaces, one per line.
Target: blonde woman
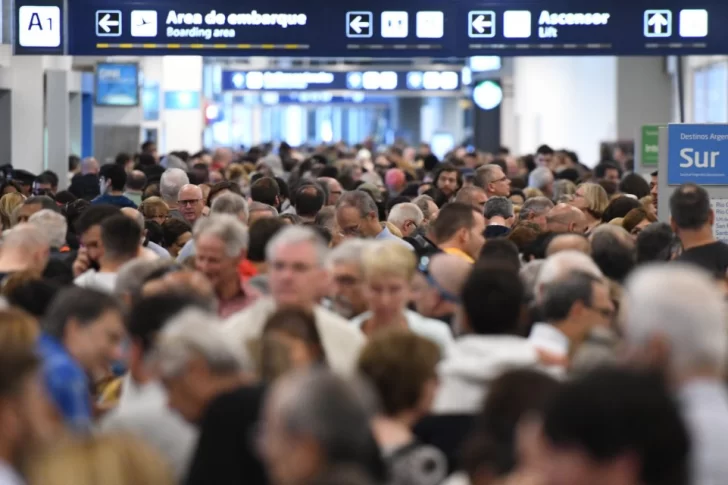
{"x":100,"y":460}
{"x":592,"y":200}
{"x":154,"y":209}
{"x":8,"y":205}
{"x":389,"y":268}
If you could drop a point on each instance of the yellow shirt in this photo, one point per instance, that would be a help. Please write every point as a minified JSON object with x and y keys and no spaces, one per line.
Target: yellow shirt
{"x":459,"y":253}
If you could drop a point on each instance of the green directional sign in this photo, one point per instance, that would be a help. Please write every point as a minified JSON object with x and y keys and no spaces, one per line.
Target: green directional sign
{"x":649,"y":149}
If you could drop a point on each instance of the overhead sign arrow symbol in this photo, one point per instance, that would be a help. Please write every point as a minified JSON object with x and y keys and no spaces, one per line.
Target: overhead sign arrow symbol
{"x":480,"y":24}
{"x":106,"y":22}
{"x":658,"y":21}
{"x":358,"y":24}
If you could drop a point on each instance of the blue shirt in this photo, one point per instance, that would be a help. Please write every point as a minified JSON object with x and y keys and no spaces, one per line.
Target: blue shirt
{"x":386,"y":235}
{"x":117,"y":200}
{"x":66,"y":383}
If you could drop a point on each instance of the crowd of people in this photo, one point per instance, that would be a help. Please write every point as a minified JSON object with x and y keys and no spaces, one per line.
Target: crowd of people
{"x":359,"y":316}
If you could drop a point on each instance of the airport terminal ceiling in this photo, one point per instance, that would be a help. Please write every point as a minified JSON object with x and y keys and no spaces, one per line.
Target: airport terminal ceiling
{"x":370,"y":29}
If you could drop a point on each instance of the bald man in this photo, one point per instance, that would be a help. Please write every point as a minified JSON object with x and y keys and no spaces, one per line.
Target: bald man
{"x":566,"y":242}
{"x":437,"y":291}
{"x":151,"y":250}
{"x":566,"y":218}
{"x":190,"y":203}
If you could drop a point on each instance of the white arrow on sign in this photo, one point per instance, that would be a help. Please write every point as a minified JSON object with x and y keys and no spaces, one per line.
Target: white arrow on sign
{"x":658,"y":21}
{"x":480,"y":24}
{"x":106,"y":22}
{"x":358,"y":24}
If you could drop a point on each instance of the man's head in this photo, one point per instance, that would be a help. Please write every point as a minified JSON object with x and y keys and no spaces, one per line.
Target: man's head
{"x":88,"y":229}
{"x":314,"y":421}
{"x":173,"y":179}
{"x":535,"y":210}
{"x":472,"y":195}
{"x":460,"y":226}
{"x":614,"y":427}
{"x":566,"y":218}
{"x":221,"y":243}
{"x":395,"y":180}
{"x":653,"y":188}
{"x":266,"y":191}
{"x":149,"y":148}
{"x":357,"y":215}
{"x":542,"y":179}
{"x":674,"y":320}
{"x":190,"y":203}
{"x":258,"y":211}
{"x":31,"y":205}
{"x":559,"y":265}
{"x":493,"y":180}
{"x":53,"y":224}
{"x":147,"y":318}
{"x":90,"y":165}
{"x":45,"y":184}
{"x":437,"y":286}
{"x":492,"y":300}
{"x":690,"y":209}
{"x":448,"y":180}
{"x":260,"y":234}
{"x":295,"y":259}
{"x":576,"y":304}
{"x":428,"y":207}
{"x":308,"y":200}
{"x":197,"y":362}
{"x":136,"y":181}
{"x":90,"y":326}
{"x":499,"y":210}
{"x":334,"y":189}
{"x":28,"y":246}
{"x":125,"y":160}
{"x":613,"y":249}
{"x":112,"y":178}
{"x":231,"y":203}
{"x":568,"y":242}
{"x":407,"y":217}
{"x":544,"y":154}
{"x":121,"y":237}
{"x":344,"y":264}
{"x":608,"y":171}
{"x":26,"y":416}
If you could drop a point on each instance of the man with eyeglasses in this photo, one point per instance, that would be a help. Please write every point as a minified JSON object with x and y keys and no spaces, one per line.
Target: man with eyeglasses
{"x":571,"y":308}
{"x":357,"y":216}
{"x":437,"y":285}
{"x":493,"y":180}
{"x":190,"y":204}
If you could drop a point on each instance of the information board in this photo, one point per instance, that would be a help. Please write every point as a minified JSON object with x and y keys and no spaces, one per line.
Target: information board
{"x":720,"y":223}
{"x":397,"y":28}
{"x":697,"y":153}
{"x":117,"y":84}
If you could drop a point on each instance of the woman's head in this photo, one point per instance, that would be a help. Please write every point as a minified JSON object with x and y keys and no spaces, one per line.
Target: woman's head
{"x":636,"y":220}
{"x":176,"y":233}
{"x":401,"y":367}
{"x":155,"y":209}
{"x":18,"y":329}
{"x":389,"y":267}
{"x":290,"y":340}
{"x":592,"y":199}
{"x":11,"y":201}
{"x":119,"y":460}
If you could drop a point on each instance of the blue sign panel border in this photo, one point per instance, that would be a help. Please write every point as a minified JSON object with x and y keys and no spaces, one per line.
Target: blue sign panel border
{"x":697,"y":153}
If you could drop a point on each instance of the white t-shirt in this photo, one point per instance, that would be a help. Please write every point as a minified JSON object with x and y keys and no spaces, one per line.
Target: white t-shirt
{"x":94,"y":280}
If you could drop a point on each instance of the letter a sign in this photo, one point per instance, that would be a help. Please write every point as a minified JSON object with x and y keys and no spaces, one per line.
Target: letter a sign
{"x":39,"y":26}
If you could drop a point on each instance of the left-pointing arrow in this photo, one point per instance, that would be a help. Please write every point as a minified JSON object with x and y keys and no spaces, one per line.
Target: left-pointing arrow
{"x":106,"y":22}
{"x":358,"y":24}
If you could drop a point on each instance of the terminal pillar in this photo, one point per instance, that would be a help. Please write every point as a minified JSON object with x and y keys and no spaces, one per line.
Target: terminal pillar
{"x":407,"y":119}
{"x":182,"y":114}
{"x":27,"y":105}
{"x":58,"y":121}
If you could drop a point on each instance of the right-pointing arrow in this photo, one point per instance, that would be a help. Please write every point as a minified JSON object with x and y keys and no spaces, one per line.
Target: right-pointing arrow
{"x":358,"y":24}
{"x":658,"y":21}
{"x":480,"y":24}
{"x":106,"y":22}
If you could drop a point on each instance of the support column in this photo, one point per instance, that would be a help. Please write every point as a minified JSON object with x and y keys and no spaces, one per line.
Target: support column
{"x":58,"y":118}
{"x":28,"y":113}
{"x":408,"y":118}
{"x":183,"y":124}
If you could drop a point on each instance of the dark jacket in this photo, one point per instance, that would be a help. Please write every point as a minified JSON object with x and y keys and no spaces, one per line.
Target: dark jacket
{"x":85,"y":186}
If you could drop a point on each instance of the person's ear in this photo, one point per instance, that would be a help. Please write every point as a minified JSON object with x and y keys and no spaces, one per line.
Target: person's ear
{"x":673,"y":225}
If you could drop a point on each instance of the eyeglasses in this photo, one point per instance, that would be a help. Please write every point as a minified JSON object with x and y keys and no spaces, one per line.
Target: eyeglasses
{"x":189,"y":202}
{"x":424,"y":268}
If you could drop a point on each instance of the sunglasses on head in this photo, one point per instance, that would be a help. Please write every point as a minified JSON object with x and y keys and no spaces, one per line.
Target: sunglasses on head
{"x":424,"y":268}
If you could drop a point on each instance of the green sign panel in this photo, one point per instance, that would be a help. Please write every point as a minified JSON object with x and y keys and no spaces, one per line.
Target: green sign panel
{"x":649,"y":149}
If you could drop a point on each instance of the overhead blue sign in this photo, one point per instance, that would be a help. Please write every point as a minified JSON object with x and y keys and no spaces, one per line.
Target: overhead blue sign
{"x":397,"y":28}
{"x":697,"y":153}
{"x":379,"y":80}
{"x":117,"y":84}
{"x":320,"y":97}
